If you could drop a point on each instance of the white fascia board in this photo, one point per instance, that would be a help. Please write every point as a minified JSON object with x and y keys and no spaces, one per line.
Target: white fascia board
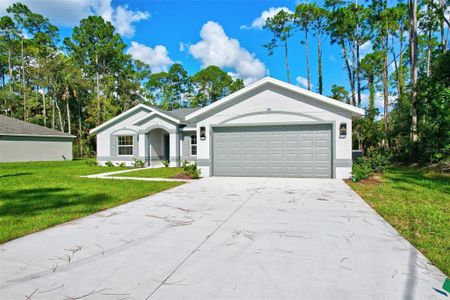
{"x":107,"y":123}
{"x":157,"y":113}
{"x":356,"y":111}
{"x":189,"y":129}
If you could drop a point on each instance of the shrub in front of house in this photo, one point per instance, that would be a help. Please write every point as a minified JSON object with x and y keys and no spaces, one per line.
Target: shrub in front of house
{"x":379,"y":159}
{"x":91,"y":163}
{"x":165,"y":163}
{"x":109,"y":163}
{"x":184,"y":163}
{"x":137,"y":163}
{"x":361,"y":169}
{"x":192,"y":170}
{"x":375,"y":161}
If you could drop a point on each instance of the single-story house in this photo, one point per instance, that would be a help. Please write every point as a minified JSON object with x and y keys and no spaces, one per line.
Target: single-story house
{"x":23,"y":141}
{"x":269,"y":128}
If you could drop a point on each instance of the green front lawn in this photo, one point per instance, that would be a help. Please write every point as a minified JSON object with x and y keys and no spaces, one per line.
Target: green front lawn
{"x":417,"y":203}
{"x":153,"y":173}
{"x":37,"y":195}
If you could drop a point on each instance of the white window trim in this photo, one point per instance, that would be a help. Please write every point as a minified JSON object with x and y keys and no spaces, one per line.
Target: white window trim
{"x":132,"y":146}
{"x":196,"y":144}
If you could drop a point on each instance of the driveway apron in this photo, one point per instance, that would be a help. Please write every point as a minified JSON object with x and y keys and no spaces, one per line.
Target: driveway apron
{"x":223,"y":237}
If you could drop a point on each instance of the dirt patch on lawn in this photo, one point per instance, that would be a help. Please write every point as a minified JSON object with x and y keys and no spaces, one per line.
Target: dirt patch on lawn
{"x":373,"y":180}
{"x":182,"y":176}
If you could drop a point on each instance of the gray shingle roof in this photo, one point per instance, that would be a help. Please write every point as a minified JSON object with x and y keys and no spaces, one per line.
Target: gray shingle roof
{"x":11,"y":126}
{"x":180,"y":113}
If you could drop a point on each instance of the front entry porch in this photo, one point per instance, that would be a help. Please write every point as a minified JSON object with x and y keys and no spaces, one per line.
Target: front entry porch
{"x":159,"y":144}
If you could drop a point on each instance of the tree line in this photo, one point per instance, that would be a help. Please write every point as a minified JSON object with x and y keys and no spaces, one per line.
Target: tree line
{"x":77,"y":83}
{"x":407,"y":68}
{"x":81,"y":81}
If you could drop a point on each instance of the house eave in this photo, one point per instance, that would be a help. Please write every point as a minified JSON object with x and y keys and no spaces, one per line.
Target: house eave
{"x":355,"y":111}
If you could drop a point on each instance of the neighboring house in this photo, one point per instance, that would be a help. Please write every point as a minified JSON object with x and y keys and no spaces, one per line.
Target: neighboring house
{"x":23,"y":141}
{"x":269,"y":128}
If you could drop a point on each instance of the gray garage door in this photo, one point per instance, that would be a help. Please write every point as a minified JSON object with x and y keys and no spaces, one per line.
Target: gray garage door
{"x":272,"y":151}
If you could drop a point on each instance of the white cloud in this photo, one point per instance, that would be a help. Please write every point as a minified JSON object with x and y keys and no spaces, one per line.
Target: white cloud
{"x":379,"y":101}
{"x":69,"y":12}
{"x":259,"y":22}
{"x":123,"y":20}
{"x":365,"y":48}
{"x":157,"y":58}
{"x":332,"y":58}
{"x":216,"y":48}
{"x":183,"y":46}
{"x":303,"y":82}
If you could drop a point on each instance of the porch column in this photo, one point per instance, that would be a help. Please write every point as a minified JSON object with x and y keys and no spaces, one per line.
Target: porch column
{"x":142,"y":147}
{"x":174,"y":147}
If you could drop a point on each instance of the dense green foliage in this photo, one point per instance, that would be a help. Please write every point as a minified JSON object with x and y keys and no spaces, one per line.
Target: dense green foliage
{"x":410,"y":75}
{"x":85,"y":80}
{"x":79,"y":83}
{"x":417,"y":203}
{"x":38,"y":195}
{"x":192,"y":170}
{"x":375,"y":161}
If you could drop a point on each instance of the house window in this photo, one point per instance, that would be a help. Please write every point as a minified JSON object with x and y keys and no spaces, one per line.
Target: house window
{"x":194,"y":145}
{"x":125,"y":145}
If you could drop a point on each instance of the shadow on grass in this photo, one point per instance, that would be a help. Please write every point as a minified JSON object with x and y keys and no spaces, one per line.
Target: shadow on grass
{"x":38,"y":201}
{"x":440,"y":183}
{"x":14,"y":175}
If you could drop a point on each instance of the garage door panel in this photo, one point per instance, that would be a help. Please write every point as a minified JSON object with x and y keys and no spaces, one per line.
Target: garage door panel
{"x":280,"y":151}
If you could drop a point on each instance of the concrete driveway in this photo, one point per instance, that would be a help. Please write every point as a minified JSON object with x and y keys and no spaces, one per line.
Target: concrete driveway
{"x":241,"y":238}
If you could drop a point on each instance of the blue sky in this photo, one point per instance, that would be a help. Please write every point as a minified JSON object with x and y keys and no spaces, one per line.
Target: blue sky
{"x":199,"y":33}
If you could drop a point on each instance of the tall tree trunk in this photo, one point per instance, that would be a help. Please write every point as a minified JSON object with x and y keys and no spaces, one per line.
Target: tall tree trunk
{"x":25,"y":112}
{"x":358,"y":58}
{"x":308,"y":70}
{"x":10,"y":70}
{"x":442,"y":5}
{"x":319,"y":64}
{"x":80,"y":145}
{"x":429,"y":3}
{"x":386,"y":82}
{"x":67,"y":96}
{"x":397,"y":74}
{"x":53,"y":113}
{"x":413,"y":48}
{"x":349,"y":70}
{"x":44,"y":113}
{"x":286,"y":57}
{"x":61,"y":126}
{"x":401,"y":79}
{"x":97,"y":91}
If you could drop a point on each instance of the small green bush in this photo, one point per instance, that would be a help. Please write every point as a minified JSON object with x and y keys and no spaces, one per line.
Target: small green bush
{"x":184,"y":163}
{"x":361,"y":169}
{"x":192,"y":170}
{"x":379,"y":159}
{"x":91,"y":163}
{"x":165,"y":163}
{"x":137,"y":163}
{"x":109,"y":163}
{"x":122,"y":165}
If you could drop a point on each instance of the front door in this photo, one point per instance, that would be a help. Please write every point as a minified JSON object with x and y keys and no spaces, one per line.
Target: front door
{"x":166,"y":147}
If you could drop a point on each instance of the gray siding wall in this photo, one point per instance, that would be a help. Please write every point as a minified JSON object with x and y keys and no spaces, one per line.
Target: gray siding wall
{"x":186,"y":146}
{"x":35,"y":148}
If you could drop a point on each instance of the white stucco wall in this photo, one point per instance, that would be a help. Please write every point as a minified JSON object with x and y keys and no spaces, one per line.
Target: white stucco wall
{"x":276,"y":105}
{"x":35,"y":149}
{"x":104,"y":137}
{"x":148,"y":130}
